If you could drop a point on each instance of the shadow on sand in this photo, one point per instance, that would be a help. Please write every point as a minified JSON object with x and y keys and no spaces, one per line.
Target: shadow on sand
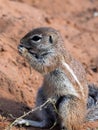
{"x":10,"y":108}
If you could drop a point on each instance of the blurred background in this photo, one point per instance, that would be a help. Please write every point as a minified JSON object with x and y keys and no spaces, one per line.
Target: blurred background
{"x":77,"y":20}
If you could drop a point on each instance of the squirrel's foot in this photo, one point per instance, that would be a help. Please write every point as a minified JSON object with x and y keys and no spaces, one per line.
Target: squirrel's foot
{"x":23,"y":122}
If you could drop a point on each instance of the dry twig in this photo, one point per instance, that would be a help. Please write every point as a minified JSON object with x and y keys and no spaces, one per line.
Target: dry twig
{"x":40,"y":107}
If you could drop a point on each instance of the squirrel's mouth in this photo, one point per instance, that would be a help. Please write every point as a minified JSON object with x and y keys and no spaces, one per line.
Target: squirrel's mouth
{"x":38,"y":55}
{"x":20,"y":49}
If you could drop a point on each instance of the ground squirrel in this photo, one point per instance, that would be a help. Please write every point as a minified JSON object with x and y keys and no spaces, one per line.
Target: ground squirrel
{"x":64,"y":79}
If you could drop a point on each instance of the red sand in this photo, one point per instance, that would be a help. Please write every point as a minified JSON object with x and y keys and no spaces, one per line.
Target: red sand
{"x":79,"y":27}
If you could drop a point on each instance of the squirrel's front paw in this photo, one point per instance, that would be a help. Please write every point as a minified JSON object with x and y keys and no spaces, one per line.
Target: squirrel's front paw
{"x":22,"y":122}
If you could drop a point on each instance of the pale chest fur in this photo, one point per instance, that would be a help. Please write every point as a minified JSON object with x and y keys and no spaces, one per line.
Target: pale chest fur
{"x":58,"y":84}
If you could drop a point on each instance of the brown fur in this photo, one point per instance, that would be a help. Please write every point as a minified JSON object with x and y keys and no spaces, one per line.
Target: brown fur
{"x":75,"y":113}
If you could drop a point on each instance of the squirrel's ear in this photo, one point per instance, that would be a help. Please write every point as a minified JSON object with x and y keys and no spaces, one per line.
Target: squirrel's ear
{"x":50,"y":39}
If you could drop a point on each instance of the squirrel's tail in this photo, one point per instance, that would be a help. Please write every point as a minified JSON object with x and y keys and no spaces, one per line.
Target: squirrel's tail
{"x":92,"y":104}
{"x":92,"y":114}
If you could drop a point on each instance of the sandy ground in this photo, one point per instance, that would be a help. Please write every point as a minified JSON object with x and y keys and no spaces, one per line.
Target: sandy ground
{"x":77,"y":20}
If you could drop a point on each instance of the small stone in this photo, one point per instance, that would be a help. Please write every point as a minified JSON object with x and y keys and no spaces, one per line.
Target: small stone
{"x":95,"y":14}
{"x":1,"y":48}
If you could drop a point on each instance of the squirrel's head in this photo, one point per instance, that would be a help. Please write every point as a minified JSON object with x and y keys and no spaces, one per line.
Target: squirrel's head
{"x":41,"y":47}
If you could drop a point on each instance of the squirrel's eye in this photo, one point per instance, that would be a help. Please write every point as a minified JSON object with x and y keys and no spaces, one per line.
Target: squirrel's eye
{"x":36,"y":38}
{"x":50,"y":39}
